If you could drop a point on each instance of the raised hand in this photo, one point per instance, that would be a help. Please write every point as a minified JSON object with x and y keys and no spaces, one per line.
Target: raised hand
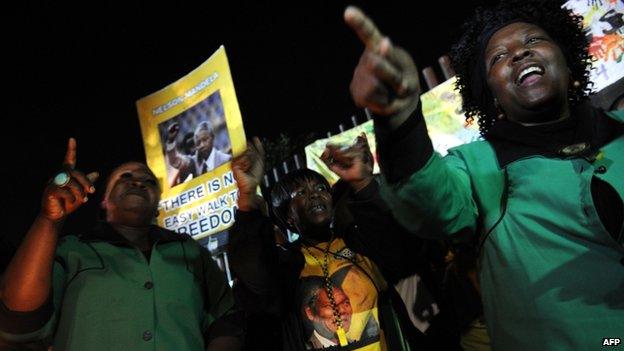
{"x":172,"y":132}
{"x":386,"y":79}
{"x":248,"y":170}
{"x":353,"y":164}
{"x":69,"y":191}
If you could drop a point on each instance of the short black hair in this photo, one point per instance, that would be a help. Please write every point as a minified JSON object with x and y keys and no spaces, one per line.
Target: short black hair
{"x":561,"y":24}
{"x":281,"y":194}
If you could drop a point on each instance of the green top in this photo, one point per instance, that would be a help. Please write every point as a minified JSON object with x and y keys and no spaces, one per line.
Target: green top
{"x":107,"y":296}
{"x":551,"y":276}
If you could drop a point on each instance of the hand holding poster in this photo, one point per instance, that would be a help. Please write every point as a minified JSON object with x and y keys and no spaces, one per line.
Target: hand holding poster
{"x":314,"y":150}
{"x":191,"y":130}
{"x":441,"y":107}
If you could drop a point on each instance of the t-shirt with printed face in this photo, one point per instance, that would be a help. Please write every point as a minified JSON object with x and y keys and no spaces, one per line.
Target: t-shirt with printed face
{"x":348,"y":297}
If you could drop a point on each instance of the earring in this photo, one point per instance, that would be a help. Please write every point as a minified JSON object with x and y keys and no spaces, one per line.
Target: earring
{"x":501,"y":114}
{"x":576,"y":84}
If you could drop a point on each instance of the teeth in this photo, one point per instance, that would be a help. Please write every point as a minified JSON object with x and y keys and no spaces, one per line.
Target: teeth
{"x":525,"y":72}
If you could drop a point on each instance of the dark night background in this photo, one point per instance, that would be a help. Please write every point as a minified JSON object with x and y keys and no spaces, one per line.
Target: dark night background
{"x":76,"y":69}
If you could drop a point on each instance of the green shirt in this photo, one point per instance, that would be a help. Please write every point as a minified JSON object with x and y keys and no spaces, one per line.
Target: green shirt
{"x":108,"y":296}
{"x":551,"y":276}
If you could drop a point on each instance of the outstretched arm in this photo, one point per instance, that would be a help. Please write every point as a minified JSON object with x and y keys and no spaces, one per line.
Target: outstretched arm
{"x":376,"y":232}
{"x":252,"y":249}
{"x":419,"y":184}
{"x":385,"y":81}
{"x":27,"y":281}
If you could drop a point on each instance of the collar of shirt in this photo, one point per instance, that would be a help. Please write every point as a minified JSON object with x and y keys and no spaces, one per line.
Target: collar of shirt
{"x":104,"y":232}
{"x":323,"y":340}
{"x":512,"y":141}
{"x":210,"y":161}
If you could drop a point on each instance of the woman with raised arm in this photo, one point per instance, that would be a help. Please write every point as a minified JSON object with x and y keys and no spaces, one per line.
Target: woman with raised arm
{"x":333,"y":286}
{"x":124,"y":285}
{"x":542,"y":192}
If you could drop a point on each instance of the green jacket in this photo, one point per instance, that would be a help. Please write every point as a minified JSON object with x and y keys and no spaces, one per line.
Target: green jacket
{"x":551,"y":276}
{"x":107,"y":296}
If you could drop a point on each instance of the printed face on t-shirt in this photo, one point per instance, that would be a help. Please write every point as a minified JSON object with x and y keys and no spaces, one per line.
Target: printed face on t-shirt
{"x":321,"y":313}
{"x":353,"y":280}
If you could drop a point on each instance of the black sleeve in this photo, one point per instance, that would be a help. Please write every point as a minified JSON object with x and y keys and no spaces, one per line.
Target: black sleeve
{"x":381,"y":238}
{"x":253,"y":262}
{"x":224,"y":318}
{"x":404,"y":150}
{"x":14,"y":322}
{"x":232,"y":324}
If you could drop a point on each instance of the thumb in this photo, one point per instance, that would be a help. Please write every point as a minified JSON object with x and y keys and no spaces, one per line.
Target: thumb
{"x":93,"y":176}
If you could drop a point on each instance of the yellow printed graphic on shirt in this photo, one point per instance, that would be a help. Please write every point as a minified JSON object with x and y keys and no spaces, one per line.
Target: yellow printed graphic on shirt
{"x":351,"y":298}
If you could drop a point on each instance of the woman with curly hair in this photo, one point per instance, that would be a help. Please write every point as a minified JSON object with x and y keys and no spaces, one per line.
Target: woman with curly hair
{"x":541,"y":194}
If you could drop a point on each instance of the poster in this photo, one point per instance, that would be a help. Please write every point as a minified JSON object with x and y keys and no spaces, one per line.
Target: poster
{"x":445,"y":120}
{"x":446,"y":123}
{"x":191,"y":131}
{"x":348,"y":137}
{"x":603,"y":23}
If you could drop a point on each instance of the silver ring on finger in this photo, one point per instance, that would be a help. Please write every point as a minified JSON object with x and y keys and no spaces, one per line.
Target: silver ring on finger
{"x":61,"y":179}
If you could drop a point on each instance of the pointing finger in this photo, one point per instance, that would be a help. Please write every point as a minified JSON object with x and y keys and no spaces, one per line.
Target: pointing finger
{"x":363,"y":26}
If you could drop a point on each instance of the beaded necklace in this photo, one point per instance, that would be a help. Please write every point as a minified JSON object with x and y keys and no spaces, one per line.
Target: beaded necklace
{"x":329,"y":288}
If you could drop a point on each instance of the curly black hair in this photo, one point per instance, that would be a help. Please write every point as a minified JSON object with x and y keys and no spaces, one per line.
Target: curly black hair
{"x":561,"y":24}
